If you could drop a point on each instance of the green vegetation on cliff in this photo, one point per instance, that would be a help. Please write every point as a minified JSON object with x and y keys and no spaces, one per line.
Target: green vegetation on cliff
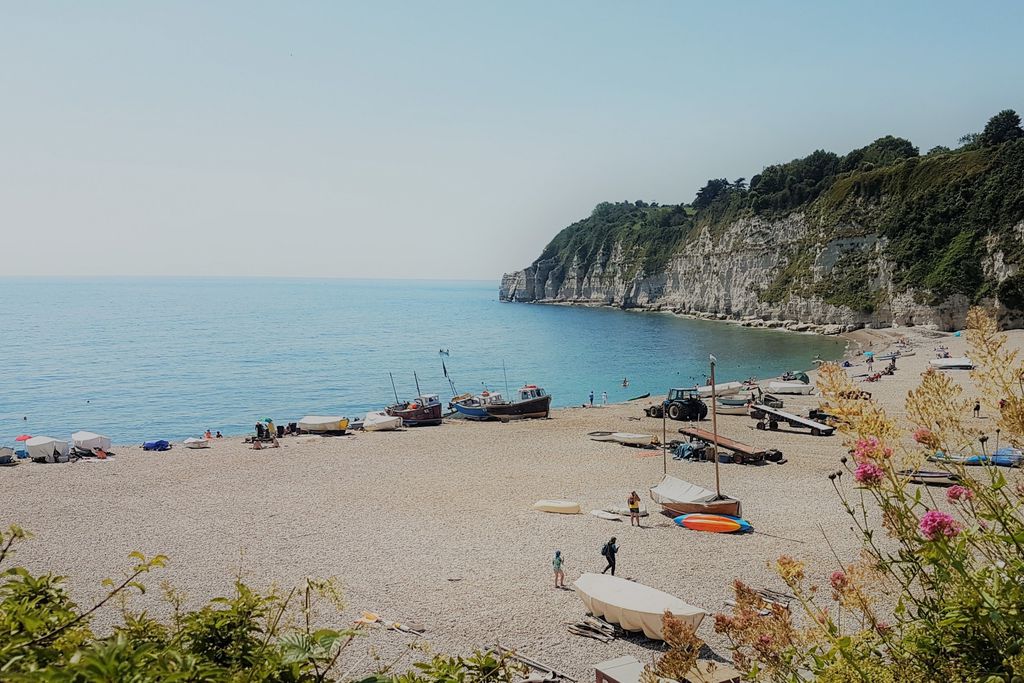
{"x":935,"y":215}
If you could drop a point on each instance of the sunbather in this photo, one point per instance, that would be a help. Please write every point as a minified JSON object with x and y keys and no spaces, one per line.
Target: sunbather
{"x":257,"y":445}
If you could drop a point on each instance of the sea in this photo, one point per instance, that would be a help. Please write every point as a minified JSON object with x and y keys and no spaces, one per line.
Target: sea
{"x":140,"y":358}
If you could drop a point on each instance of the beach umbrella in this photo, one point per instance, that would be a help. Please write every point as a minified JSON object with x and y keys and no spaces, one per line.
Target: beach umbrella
{"x":23,"y":437}
{"x":869,"y":353}
{"x":267,"y":419}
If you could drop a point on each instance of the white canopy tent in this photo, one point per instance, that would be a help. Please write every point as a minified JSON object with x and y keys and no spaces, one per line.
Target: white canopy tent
{"x":86,"y":441}
{"x":47,"y":448}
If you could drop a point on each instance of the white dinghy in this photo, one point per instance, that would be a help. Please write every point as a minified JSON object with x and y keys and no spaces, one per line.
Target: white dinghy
{"x":723,"y":389}
{"x":633,"y":606}
{"x":322,"y":424}
{"x":789,"y":388}
{"x":962,"y":363}
{"x":381,"y":422}
{"x":562,"y":507}
{"x":195,"y":442}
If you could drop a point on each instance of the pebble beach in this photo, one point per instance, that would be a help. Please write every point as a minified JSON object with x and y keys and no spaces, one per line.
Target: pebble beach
{"x":434,"y":526}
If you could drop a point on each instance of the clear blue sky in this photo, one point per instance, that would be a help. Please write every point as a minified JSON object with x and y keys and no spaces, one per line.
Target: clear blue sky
{"x":441,"y":139}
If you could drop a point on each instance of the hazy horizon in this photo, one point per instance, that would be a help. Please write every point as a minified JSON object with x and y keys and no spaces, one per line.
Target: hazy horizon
{"x":450,"y":141}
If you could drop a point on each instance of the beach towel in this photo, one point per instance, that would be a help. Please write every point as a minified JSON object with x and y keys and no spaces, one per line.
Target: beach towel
{"x":159,"y":445}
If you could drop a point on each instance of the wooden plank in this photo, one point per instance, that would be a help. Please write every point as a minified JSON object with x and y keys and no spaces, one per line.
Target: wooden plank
{"x":723,"y":442}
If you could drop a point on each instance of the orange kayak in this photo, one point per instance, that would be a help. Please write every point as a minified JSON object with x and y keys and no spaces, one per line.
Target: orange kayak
{"x":719,"y":524}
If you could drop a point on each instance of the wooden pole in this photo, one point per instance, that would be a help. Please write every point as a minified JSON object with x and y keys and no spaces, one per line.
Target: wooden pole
{"x":714,"y":429}
{"x":664,"y":441}
{"x":393,"y":388}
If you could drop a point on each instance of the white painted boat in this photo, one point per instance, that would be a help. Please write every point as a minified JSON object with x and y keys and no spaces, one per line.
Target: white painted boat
{"x":323,"y":423}
{"x":601,"y":514}
{"x":725,"y":409}
{"x":86,"y":441}
{"x":961,"y":363}
{"x":195,"y":442}
{"x":632,"y":439}
{"x":381,"y":422}
{"x":790,"y":388}
{"x":563,"y":507}
{"x":722,"y":389}
{"x":47,"y":449}
{"x":633,"y":606}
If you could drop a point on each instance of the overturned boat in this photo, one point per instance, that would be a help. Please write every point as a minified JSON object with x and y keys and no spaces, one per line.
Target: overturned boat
{"x":380,"y":421}
{"x":678,"y":497}
{"x":790,"y":388}
{"x":962,"y":363}
{"x":531,"y":401}
{"x":47,"y":449}
{"x":633,"y":606}
{"x":723,"y":389}
{"x":195,"y":442}
{"x":323,"y":424}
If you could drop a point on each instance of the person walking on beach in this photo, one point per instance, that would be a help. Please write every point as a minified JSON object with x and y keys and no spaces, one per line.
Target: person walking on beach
{"x":977,"y":409}
{"x":556,"y":563}
{"x":609,"y":550}
{"x":604,"y":398}
{"x":591,"y":398}
{"x":634,"y":509}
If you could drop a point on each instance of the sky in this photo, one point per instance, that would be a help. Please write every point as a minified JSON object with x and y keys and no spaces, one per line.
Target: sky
{"x":440,"y":139}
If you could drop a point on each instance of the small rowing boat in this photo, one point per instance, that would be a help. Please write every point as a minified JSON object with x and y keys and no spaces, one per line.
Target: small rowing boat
{"x":562,"y":507}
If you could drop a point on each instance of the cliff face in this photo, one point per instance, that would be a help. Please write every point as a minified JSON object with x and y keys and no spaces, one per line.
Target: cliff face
{"x":835,"y":262}
{"x":727,"y":275}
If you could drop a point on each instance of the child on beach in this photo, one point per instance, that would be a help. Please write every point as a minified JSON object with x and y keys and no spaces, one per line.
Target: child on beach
{"x":556,"y":563}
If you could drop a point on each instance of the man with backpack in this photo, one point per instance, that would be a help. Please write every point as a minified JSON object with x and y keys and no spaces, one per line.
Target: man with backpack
{"x":608,"y":551}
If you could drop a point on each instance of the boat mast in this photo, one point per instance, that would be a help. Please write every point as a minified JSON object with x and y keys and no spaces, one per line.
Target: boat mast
{"x":508,"y":394}
{"x":417,"y":380}
{"x":393,"y":388}
{"x":714,"y":428}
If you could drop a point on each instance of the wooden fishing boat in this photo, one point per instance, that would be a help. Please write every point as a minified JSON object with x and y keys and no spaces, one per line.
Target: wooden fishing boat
{"x":531,"y":401}
{"x":723,"y":389}
{"x":961,"y":363}
{"x":723,"y":408}
{"x":423,"y":411}
{"x":930,"y":477}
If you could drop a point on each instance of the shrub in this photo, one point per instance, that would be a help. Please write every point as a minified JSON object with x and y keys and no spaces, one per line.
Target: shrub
{"x":937,"y":594}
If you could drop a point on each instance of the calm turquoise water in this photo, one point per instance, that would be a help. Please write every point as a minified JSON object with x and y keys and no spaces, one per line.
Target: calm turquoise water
{"x":167,"y":358}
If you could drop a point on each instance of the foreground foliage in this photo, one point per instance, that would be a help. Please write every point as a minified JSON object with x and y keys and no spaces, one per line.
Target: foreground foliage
{"x":247,"y":636}
{"x":939,"y":591}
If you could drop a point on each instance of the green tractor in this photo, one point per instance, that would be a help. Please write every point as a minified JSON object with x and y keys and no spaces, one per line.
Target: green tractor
{"x":680,"y":404}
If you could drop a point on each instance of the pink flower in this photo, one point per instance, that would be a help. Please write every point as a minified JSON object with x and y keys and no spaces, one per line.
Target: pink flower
{"x":935,"y":525}
{"x":955,"y":494}
{"x":883,"y":627}
{"x":840,"y":581}
{"x":868,"y":474}
{"x":924,"y":436}
{"x":870,"y":449}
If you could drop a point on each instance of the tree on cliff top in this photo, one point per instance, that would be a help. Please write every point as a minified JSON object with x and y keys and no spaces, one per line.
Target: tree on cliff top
{"x":1002,"y":127}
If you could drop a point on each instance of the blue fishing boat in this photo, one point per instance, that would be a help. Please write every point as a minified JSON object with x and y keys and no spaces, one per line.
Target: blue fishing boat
{"x":474,"y":407}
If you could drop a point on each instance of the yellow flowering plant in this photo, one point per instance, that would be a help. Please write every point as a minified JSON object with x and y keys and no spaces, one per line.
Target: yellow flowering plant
{"x":937,"y":593}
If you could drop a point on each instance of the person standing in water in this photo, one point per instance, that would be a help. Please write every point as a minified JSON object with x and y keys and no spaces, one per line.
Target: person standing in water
{"x":634,"y":509}
{"x":609,"y":550}
{"x":556,"y":563}
{"x":604,"y":398}
{"x":591,"y":398}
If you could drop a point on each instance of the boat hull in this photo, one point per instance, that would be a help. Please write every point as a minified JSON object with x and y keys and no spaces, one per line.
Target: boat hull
{"x":471,"y":412}
{"x":534,"y":408}
{"x":426,"y":416}
{"x":633,"y":606}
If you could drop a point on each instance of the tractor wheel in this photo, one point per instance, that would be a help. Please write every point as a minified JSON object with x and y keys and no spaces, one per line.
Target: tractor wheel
{"x":675,"y":411}
{"x":773,"y":425}
{"x":702,"y":411}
